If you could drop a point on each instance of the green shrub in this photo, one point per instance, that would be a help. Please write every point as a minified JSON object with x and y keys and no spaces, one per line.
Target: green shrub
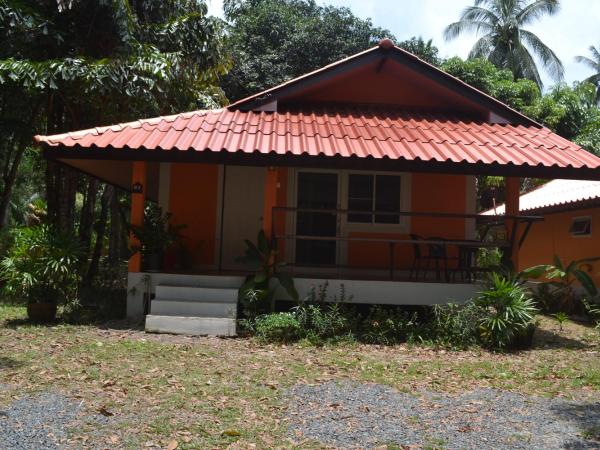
{"x":452,"y":326}
{"x":388,"y":326}
{"x":278,"y":328}
{"x":324,"y":320}
{"x":508,"y":312}
{"x":41,"y":266}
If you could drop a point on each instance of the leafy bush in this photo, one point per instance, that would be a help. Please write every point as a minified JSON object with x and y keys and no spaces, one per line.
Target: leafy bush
{"x":278,"y":327}
{"x":500,"y":318}
{"x":388,"y":326}
{"x":508,"y":312}
{"x":322,"y":320}
{"x":41,"y":266}
{"x":453,"y":326}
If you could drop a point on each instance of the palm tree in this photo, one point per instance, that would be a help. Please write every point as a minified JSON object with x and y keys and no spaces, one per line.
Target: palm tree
{"x":594,"y":64}
{"x":504,"y":41}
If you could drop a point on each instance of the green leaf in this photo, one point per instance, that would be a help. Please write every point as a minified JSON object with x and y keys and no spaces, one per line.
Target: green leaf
{"x":287,"y":282}
{"x":586,"y":281}
{"x":536,"y":271}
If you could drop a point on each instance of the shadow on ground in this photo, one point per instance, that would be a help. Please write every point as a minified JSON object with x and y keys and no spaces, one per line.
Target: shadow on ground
{"x":586,"y":417}
{"x":547,"y":339}
{"x":9,"y":363}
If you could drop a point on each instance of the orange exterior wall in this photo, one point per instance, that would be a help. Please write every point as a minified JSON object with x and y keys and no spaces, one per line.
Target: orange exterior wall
{"x":551,"y":237}
{"x":193,"y":197}
{"x":429,"y":193}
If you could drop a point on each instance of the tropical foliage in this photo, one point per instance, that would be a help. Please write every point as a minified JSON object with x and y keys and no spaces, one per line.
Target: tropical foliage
{"x":564,"y":280}
{"x":275,"y":40}
{"x":504,"y":41}
{"x":41,"y":266}
{"x":593,"y":62}
{"x":508,"y":309}
{"x":259,"y":288}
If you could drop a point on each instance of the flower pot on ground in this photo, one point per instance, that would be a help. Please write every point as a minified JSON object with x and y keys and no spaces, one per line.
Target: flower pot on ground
{"x":41,"y":268}
{"x":41,"y":312}
{"x":155,"y":236}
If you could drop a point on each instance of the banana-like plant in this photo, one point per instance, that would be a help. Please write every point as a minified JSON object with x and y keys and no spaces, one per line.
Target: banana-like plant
{"x":262,"y":257}
{"x":564,"y":279}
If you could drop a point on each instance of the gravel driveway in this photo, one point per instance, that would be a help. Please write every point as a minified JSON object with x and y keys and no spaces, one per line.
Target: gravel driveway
{"x":351,"y":415}
{"x":40,"y":422}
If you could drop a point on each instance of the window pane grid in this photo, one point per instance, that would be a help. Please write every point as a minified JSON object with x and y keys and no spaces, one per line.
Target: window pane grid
{"x":372,"y":193}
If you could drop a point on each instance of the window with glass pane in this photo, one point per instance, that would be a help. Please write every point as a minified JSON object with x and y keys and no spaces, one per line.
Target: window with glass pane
{"x":374,"y":192}
{"x":387,"y":198}
{"x":360,"y":197}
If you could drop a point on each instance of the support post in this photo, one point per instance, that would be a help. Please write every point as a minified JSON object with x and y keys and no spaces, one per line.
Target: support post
{"x":271,"y":183}
{"x":513,"y":186}
{"x":138,"y":199}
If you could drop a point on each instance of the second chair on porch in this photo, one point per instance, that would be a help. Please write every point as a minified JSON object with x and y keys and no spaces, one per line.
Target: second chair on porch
{"x":429,"y":257}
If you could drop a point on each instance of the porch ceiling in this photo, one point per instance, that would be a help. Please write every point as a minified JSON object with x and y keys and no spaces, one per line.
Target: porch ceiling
{"x":337,"y":136}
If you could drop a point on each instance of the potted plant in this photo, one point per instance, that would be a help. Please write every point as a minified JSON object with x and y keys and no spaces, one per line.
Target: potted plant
{"x":155,"y":236}
{"x":41,"y":268}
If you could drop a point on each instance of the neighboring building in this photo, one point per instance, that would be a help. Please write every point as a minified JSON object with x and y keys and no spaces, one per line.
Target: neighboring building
{"x":363,"y":171}
{"x":571,"y":225}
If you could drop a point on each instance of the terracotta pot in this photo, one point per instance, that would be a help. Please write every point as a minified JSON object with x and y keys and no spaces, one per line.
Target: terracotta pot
{"x":41,"y":312}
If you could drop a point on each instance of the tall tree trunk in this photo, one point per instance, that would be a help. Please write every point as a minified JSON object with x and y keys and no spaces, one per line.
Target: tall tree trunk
{"x":115,"y":242}
{"x":88,"y":209}
{"x":8,"y":180}
{"x":100,"y":232}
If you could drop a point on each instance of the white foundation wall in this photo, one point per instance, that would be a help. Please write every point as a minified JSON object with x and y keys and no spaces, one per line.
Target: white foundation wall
{"x":356,"y":291}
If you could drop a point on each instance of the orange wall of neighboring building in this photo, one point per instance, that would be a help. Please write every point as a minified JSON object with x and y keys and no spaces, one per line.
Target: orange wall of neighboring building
{"x":429,"y":193}
{"x":551,"y":237}
{"x":193,"y":197}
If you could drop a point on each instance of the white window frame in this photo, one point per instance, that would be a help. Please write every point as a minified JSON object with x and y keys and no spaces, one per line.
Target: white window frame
{"x":403,"y":226}
{"x":578,"y":219}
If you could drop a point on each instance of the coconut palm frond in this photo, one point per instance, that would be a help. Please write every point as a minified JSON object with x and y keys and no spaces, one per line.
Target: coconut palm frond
{"x":549,"y":59}
{"x":457,"y":28}
{"x":482,"y":47}
{"x":537,"y":10}
{"x":526,"y":65}
{"x":498,"y":23}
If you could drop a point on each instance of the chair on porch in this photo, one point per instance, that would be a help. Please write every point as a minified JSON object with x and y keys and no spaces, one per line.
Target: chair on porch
{"x":428,"y":257}
{"x":424,"y":255}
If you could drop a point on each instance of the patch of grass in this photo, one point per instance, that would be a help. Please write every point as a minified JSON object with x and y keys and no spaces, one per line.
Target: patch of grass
{"x":208,"y":392}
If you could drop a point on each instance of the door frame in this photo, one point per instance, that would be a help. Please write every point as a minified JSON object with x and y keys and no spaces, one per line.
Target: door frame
{"x":290,"y":247}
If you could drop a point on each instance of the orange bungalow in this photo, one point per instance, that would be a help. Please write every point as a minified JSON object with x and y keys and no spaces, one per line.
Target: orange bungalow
{"x":571,"y":212}
{"x":362,"y":171}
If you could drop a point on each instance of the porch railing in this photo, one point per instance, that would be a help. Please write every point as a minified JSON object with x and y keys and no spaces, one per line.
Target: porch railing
{"x":467,"y":248}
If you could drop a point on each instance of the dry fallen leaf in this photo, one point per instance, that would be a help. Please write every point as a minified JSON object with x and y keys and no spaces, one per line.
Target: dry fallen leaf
{"x":173,"y":445}
{"x":105,"y":412}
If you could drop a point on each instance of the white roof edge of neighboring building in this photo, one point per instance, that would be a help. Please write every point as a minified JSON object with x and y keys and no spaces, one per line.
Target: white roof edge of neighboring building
{"x":552,"y":194}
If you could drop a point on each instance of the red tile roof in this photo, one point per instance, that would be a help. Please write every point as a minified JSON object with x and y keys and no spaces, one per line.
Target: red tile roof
{"x":556,"y":193}
{"x":362,"y":132}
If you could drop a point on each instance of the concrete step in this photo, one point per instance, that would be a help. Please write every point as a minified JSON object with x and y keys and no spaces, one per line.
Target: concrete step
{"x":197,"y":293}
{"x":195,"y":326}
{"x":182,"y":307}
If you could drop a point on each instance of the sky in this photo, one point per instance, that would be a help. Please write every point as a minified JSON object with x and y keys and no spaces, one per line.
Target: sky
{"x":570,"y":32}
